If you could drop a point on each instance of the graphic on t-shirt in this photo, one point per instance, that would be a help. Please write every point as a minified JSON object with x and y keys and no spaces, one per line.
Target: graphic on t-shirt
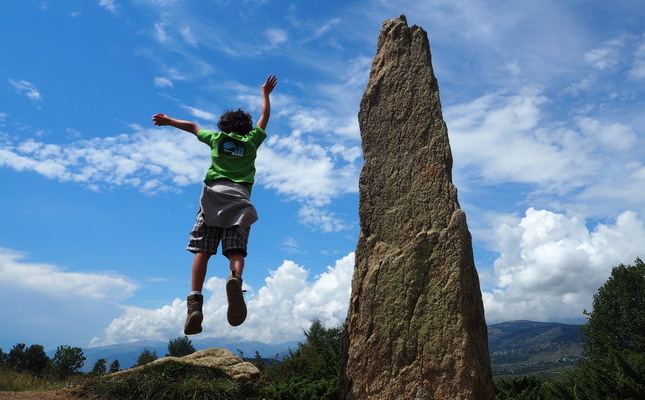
{"x":231,"y":147}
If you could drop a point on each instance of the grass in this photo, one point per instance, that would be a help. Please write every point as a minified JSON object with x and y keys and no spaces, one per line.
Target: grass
{"x":169,"y":381}
{"x":19,"y":382}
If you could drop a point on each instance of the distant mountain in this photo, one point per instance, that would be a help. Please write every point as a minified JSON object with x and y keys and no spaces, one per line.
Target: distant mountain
{"x":533,"y":348}
{"x":128,"y":353}
{"x":516,"y":348}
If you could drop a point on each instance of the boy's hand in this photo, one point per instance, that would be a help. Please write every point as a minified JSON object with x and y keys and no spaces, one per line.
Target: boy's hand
{"x":160,"y":119}
{"x":269,"y":85}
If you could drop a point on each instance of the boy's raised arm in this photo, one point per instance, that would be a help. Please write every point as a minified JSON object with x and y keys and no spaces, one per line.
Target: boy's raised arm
{"x":188,"y":126}
{"x":267,"y":88}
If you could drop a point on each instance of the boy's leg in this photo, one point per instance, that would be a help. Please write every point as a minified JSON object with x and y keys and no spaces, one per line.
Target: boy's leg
{"x":236,"y":312}
{"x":200,"y":265}
{"x":236,"y":261}
{"x":234,"y":242}
{"x":196,"y":300}
{"x":203,"y":243}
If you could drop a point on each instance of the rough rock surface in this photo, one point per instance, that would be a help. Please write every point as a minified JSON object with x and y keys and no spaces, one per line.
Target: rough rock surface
{"x":416,"y":327}
{"x":221,"y":359}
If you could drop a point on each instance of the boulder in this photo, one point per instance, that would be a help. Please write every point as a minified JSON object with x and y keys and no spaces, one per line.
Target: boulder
{"x":415,"y":327}
{"x":219,"y":359}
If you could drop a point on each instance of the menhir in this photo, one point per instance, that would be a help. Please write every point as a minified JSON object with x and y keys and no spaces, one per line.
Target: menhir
{"x":416,"y":327}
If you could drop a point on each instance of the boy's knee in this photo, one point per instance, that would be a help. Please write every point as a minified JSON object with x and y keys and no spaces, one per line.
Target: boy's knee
{"x":235,"y":255}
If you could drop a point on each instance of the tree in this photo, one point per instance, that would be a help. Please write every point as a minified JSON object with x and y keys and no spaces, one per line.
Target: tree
{"x":618,"y":314}
{"x":100,"y":367}
{"x":115,"y":366}
{"x":36,"y":360}
{"x":3,"y":358}
{"x":68,"y":360}
{"x":613,"y":342}
{"x":16,"y":359}
{"x":180,"y":347}
{"x":312,"y":371}
{"x":146,"y":357}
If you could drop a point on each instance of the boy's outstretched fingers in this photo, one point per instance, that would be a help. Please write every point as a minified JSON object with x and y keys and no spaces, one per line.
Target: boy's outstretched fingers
{"x":270,"y":83}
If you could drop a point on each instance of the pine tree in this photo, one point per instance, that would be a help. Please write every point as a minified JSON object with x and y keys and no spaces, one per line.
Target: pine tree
{"x":115,"y":366}
{"x":182,"y":346}
{"x":146,"y":357}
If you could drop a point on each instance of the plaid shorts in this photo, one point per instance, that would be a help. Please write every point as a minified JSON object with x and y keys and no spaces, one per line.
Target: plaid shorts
{"x":205,"y":238}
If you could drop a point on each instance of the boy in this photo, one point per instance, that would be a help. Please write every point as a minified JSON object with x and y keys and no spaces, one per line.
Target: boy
{"x":225,"y":213}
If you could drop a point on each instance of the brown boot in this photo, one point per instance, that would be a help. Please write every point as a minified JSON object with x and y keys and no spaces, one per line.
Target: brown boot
{"x":195,"y":317}
{"x":236,"y":313}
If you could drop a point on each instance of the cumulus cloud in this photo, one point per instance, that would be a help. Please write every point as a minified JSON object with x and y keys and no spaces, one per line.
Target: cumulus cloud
{"x":40,"y":297}
{"x":134,"y":160}
{"x":307,"y":171}
{"x":278,"y":311}
{"x":503,"y":138}
{"x":53,"y":281}
{"x":551,"y":264}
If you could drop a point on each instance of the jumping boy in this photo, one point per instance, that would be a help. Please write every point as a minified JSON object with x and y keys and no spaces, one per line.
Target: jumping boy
{"x":225,"y":212}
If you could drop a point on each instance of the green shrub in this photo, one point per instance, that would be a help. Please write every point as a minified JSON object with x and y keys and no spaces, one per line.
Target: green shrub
{"x":168,"y":381}
{"x":312,"y":371}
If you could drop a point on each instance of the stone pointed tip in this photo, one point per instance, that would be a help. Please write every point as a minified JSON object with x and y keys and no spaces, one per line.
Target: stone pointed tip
{"x":403,"y":18}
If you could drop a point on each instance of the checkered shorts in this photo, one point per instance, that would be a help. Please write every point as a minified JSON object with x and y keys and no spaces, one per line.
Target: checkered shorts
{"x":205,"y":238}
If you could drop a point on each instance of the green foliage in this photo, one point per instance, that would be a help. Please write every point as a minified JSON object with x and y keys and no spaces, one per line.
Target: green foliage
{"x":100,"y":367}
{"x":168,"y":381}
{"x":520,"y":388}
{"x":67,"y":361}
{"x":146,"y":357}
{"x":16,"y":359}
{"x":30,"y":359}
{"x":36,"y":360}
{"x":312,"y":371}
{"x":618,"y":312}
{"x":115,"y":366}
{"x":182,"y":346}
{"x":617,"y":375}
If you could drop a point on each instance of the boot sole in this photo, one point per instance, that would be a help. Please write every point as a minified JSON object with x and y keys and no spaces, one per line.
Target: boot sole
{"x":194,"y":323}
{"x":236,"y":312}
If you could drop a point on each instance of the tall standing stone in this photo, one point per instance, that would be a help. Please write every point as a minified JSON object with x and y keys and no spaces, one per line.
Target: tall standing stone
{"x":416,"y":327}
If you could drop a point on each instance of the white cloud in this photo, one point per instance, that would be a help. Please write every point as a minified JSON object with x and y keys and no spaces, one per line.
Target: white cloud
{"x":325,"y":27}
{"x":188,"y":36}
{"x":637,"y":70}
{"x":201,"y":114}
{"x":306,"y":171}
{"x":317,"y":217}
{"x":162,"y":82}
{"x":53,"y":281}
{"x":50,"y":305}
{"x":136,"y":160}
{"x":278,"y":311}
{"x":551,"y":265}
{"x":160,"y":32}
{"x":604,"y":57}
{"x":109,"y":5}
{"x":276,"y":36}
{"x":504,"y":138}
{"x":26,"y":88}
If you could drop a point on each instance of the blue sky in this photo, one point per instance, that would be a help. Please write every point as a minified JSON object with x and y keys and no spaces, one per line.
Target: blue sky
{"x":544,"y":107}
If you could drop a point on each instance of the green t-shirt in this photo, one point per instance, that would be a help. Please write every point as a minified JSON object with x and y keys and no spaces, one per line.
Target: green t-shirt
{"x":232,"y":155}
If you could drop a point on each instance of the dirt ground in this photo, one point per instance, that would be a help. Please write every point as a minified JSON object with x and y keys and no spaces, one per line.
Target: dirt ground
{"x":56,"y":394}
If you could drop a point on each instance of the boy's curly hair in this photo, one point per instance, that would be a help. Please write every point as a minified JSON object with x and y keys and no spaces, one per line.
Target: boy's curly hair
{"x":239,"y":122}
